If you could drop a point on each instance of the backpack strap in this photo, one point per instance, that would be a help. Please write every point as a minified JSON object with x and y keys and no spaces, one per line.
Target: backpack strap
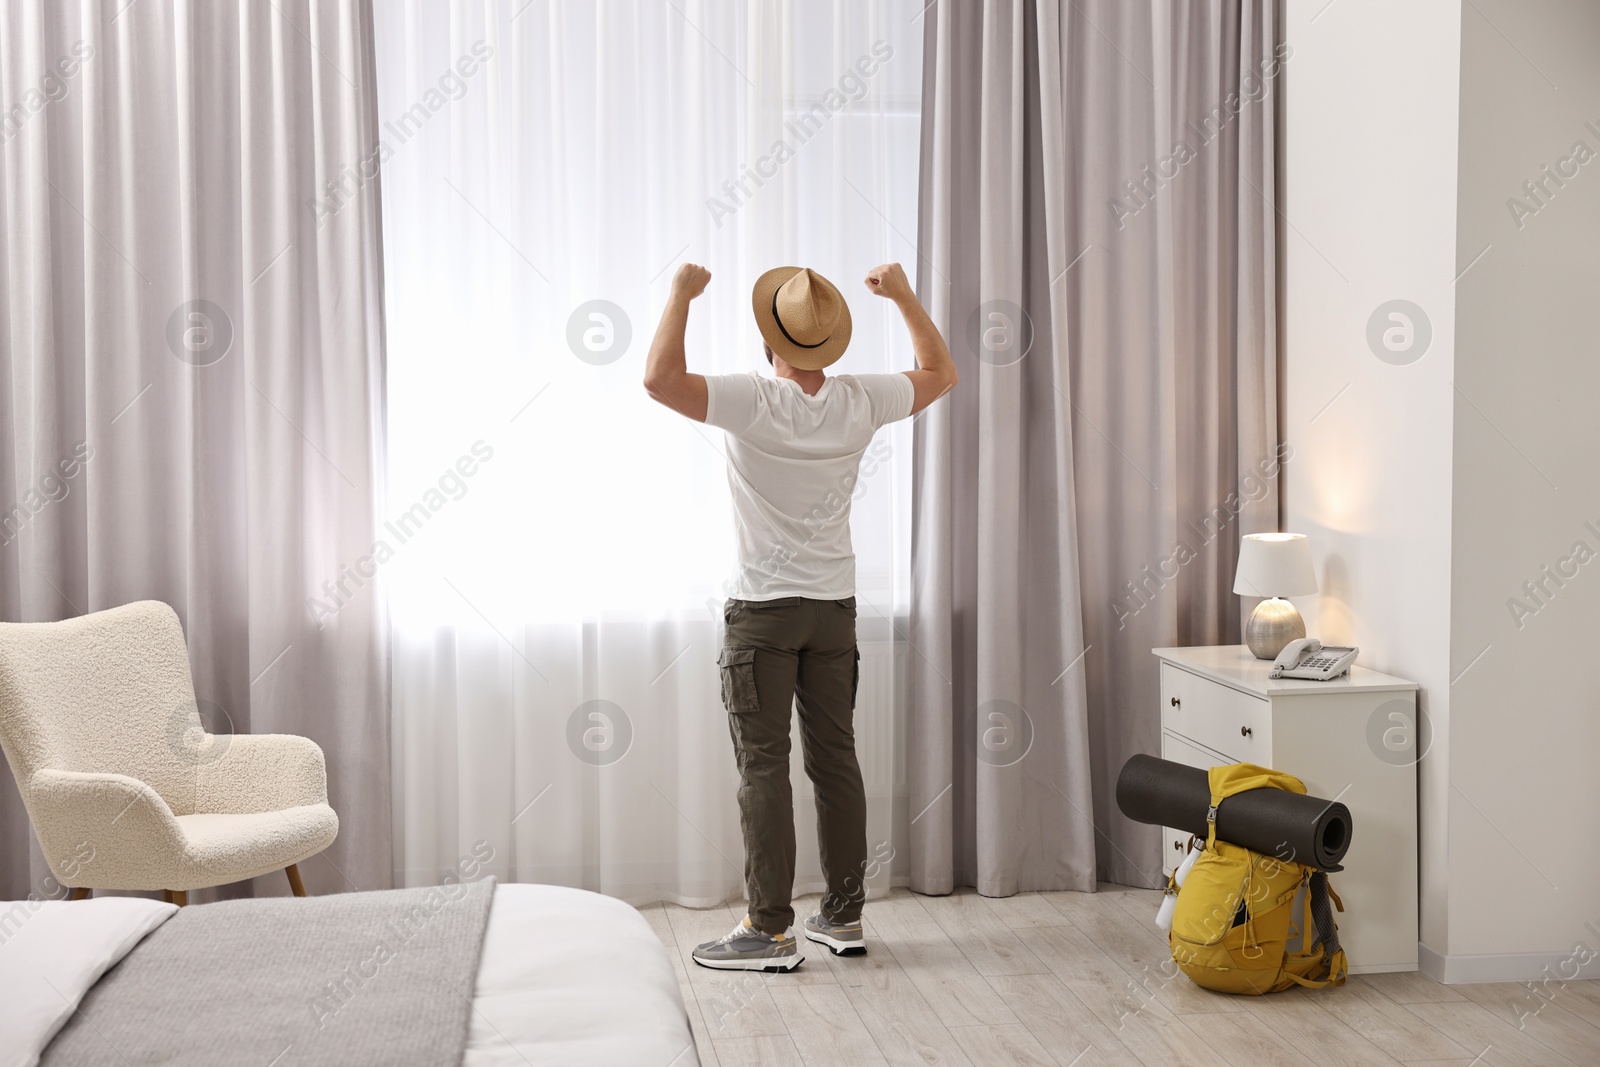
{"x":1251,"y":949}
{"x":1336,"y":972}
{"x":1217,"y":795}
{"x":1320,"y":902}
{"x":1307,"y":923}
{"x":1229,"y":779}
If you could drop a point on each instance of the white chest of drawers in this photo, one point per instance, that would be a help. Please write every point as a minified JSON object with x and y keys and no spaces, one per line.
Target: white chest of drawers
{"x":1352,"y":739}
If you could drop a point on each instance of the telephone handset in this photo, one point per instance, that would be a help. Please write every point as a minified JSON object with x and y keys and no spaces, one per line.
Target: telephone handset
{"x":1309,"y":658}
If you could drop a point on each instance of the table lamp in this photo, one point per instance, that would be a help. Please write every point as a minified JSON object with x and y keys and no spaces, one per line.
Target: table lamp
{"x":1274,"y":565}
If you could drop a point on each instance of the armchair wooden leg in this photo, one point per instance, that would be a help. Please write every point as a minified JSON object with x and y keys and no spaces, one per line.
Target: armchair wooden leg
{"x":296,"y":886}
{"x":80,"y":893}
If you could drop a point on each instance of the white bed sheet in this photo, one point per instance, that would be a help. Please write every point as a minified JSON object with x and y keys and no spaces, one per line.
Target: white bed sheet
{"x":51,"y":953}
{"x":566,"y":977}
{"x":573,"y":977}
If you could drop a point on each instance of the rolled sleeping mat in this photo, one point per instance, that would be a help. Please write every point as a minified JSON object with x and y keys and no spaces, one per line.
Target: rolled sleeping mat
{"x":1290,"y":826}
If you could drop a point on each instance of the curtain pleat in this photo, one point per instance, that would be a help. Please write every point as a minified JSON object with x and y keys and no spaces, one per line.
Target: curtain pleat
{"x":1097,"y":245}
{"x":191,"y":383}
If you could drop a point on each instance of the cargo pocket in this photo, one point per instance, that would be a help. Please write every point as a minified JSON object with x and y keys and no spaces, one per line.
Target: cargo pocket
{"x":855,"y":678}
{"x":738,"y":679}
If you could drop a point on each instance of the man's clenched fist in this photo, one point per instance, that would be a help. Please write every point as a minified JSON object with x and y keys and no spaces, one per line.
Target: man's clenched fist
{"x":690,"y":281}
{"x":889,"y":281}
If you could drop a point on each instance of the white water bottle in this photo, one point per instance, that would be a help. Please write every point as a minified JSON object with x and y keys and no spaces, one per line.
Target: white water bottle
{"x":1169,"y":899}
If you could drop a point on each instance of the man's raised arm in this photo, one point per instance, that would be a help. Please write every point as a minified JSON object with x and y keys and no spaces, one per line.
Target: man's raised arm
{"x":666,"y":373}
{"x":936,"y":371}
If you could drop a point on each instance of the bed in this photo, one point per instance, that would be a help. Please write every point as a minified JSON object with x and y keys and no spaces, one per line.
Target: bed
{"x":475,"y":974}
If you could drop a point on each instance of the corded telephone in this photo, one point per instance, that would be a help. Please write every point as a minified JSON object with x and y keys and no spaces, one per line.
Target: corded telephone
{"x":1308,"y":658}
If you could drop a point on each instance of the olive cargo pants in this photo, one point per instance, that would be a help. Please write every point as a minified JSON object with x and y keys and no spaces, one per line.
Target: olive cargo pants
{"x":778,"y":655}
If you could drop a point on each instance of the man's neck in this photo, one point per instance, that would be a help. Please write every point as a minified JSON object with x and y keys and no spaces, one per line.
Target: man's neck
{"x":809,"y":380}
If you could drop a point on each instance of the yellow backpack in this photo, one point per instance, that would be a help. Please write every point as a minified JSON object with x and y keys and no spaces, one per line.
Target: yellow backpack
{"x":1233,"y":926}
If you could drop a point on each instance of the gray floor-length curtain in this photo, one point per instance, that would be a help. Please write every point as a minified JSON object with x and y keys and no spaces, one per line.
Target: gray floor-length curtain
{"x":1097,"y":244}
{"x":191,"y":381}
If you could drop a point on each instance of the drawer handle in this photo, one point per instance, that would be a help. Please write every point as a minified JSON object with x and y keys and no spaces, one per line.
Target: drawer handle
{"x":1178,"y":846}
{"x":1177,"y":703}
{"x":1245,"y":731}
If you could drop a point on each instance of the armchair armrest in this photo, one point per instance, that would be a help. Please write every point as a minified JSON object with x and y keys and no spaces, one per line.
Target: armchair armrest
{"x":102,"y":830}
{"x":262,"y":772}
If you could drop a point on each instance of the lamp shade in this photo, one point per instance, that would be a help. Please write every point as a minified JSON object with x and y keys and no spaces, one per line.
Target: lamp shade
{"x":1274,"y":564}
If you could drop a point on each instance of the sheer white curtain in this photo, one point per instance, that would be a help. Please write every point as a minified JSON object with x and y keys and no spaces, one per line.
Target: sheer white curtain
{"x":557,"y":546}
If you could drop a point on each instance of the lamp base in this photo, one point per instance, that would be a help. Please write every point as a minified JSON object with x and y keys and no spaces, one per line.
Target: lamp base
{"x":1272,"y":625}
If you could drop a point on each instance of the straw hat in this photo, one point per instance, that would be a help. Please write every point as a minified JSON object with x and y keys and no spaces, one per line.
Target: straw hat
{"x":802,"y":317}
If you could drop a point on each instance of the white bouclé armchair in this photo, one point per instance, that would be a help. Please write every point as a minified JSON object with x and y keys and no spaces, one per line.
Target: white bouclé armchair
{"x":125,"y":788}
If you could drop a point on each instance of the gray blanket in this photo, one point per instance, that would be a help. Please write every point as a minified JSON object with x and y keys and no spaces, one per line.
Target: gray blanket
{"x":357,"y":978}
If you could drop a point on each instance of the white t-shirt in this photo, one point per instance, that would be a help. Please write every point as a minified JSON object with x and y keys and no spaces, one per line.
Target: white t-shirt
{"x":792,"y":465}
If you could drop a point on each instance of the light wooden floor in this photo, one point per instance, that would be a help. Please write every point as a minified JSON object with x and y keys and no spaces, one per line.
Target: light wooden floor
{"x":1076,"y":980}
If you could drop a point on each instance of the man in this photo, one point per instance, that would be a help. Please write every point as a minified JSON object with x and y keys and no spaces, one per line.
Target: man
{"x":794,"y":445}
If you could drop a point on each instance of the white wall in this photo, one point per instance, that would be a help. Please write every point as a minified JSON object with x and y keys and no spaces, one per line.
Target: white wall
{"x":1525,"y":720}
{"x":1368,"y":207}
{"x":1434,"y":487}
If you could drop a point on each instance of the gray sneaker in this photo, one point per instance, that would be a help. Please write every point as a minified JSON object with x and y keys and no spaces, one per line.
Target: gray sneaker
{"x":844,"y":939}
{"x":747,"y":949}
